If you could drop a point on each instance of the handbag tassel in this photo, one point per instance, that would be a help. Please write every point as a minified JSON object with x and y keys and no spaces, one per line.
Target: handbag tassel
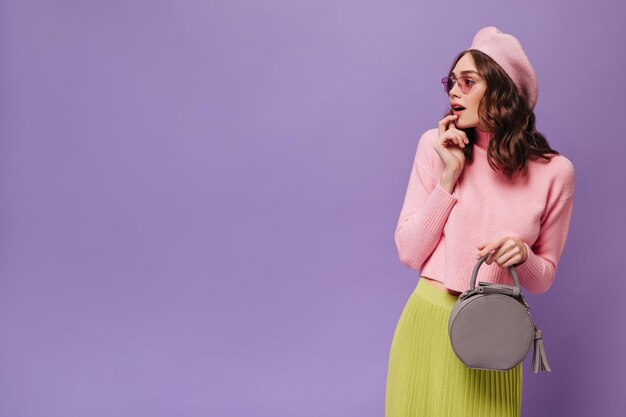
{"x":540,"y":362}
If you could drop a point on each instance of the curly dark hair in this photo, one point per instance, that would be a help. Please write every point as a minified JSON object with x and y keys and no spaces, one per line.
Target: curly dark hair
{"x":504,"y":111}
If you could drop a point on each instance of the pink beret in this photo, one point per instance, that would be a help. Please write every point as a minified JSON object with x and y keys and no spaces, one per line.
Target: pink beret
{"x":507,"y":51}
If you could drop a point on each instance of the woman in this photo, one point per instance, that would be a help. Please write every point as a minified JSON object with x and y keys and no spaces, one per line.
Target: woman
{"x":483,"y":182}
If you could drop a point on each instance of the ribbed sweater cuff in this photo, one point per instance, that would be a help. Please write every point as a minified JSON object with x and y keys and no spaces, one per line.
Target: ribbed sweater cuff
{"x":437,"y":209}
{"x":532,"y":273}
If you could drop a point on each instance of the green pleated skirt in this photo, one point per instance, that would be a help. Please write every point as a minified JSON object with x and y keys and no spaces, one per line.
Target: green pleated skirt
{"x":425,"y":378}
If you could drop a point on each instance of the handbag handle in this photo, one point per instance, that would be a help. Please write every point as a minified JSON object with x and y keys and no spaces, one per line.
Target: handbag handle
{"x":479,"y":263}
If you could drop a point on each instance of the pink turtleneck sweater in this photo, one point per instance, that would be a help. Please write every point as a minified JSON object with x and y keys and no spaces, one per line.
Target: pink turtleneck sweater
{"x":438,"y":233}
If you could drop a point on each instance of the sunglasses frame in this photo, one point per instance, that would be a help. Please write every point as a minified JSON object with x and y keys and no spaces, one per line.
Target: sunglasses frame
{"x":445,"y":83}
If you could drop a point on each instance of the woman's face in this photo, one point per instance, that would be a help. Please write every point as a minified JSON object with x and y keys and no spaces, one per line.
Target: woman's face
{"x":469,"y":116}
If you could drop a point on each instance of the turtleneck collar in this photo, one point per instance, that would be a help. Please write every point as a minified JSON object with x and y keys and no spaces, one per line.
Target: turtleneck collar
{"x":483,"y":138}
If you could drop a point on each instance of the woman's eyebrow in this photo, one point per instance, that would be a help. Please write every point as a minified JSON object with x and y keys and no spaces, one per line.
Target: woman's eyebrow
{"x":465,"y":72}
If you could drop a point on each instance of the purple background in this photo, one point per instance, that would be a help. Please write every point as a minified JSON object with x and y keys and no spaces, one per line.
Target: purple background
{"x":198,"y":200}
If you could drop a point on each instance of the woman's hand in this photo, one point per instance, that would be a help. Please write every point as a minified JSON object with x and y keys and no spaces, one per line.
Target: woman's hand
{"x":508,"y":251}
{"x":450,"y":144}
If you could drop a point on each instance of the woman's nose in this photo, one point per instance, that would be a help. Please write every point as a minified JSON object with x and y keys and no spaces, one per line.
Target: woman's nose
{"x":455,"y":90}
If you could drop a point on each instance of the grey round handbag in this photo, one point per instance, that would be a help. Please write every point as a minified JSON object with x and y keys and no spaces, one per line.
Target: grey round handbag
{"x":491,"y":328}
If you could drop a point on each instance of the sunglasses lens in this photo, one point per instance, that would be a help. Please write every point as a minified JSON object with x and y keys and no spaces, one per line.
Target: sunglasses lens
{"x":444,"y":84}
{"x":447,"y":84}
{"x":465,"y":85}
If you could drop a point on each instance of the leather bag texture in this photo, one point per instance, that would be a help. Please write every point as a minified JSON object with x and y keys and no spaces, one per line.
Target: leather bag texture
{"x":491,"y":328}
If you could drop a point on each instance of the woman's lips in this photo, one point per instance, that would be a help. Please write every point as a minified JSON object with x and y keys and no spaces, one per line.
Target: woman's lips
{"x":458,"y":111}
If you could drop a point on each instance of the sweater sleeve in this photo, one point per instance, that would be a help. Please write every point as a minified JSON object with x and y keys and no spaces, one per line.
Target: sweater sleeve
{"x":424,"y":212}
{"x":537,"y":273}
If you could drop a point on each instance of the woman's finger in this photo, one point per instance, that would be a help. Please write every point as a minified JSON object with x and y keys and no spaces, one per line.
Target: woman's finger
{"x":512,"y":261}
{"x":508,"y":249}
{"x":486,"y":248}
{"x":462,"y":136}
{"x":457,"y":139}
{"x":506,"y":258}
{"x":443,"y":123}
